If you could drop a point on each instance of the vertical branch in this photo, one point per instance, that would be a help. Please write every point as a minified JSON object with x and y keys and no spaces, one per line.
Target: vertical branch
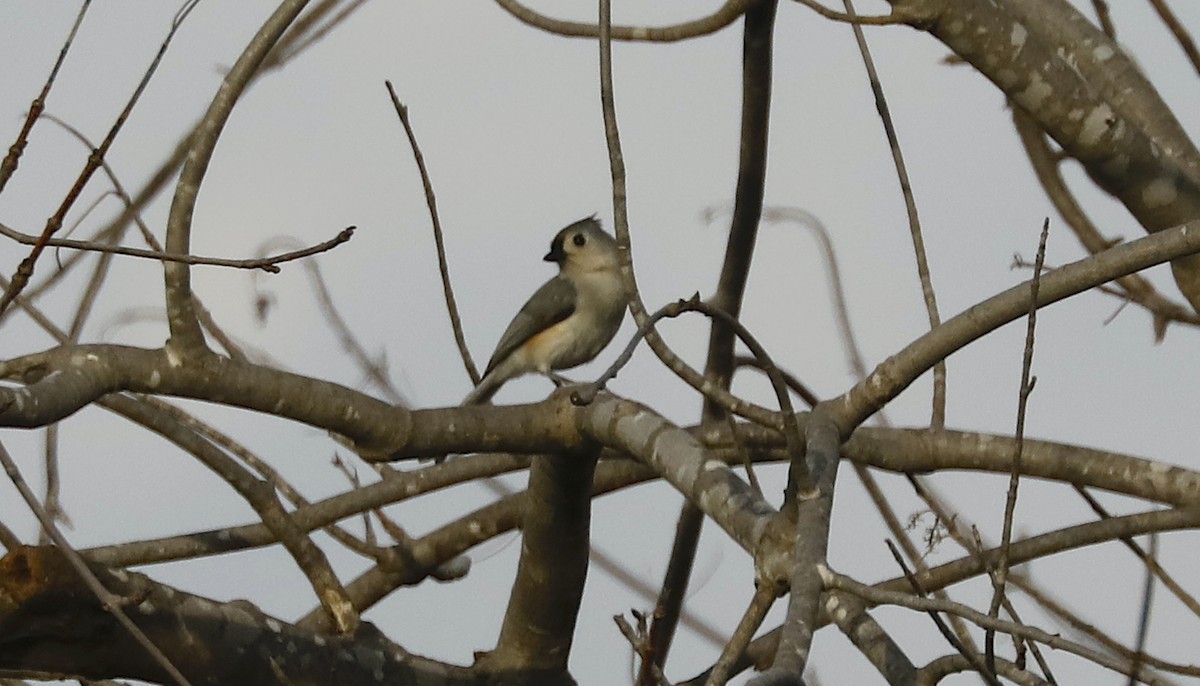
{"x":1010,"y":504}
{"x":443,"y":268}
{"x":1143,"y":632}
{"x":938,"y":420}
{"x":731,"y":288}
{"x":186,"y":334}
{"x":813,"y":508}
{"x":539,"y":624}
{"x":52,"y":501}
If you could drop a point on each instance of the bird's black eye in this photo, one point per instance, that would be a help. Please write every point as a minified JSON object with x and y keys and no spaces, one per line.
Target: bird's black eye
{"x":579,"y":239}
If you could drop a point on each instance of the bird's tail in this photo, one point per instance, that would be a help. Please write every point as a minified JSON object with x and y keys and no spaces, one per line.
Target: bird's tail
{"x":487,"y":388}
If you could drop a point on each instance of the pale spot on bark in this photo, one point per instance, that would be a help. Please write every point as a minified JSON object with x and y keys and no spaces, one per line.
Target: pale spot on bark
{"x":1095,"y":125}
{"x":1035,"y":94}
{"x":1160,"y":192}
{"x":1017,"y":36}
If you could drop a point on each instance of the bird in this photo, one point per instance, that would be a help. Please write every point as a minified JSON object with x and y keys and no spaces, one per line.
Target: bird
{"x":567,"y":321}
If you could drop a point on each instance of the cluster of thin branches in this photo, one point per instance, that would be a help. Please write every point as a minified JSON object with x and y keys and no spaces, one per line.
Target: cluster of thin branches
{"x":581,"y":443}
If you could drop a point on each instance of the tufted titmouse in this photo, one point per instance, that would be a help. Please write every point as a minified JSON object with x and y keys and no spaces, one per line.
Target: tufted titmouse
{"x":567,"y":321}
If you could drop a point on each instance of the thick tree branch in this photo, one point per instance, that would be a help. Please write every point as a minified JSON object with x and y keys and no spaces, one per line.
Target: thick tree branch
{"x":539,"y":625}
{"x":898,"y":371}
{"x":1085,"y":93}
{"x":65,"y":379}
{"x":851,"y":616}
{"x":49,"y":622}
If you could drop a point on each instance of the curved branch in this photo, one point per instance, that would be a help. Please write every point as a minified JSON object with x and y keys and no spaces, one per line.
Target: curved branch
{"x":186,"y":335}
{"x":65,"y":379}
{"x":896,"y":373}
{"x":725,"y":15}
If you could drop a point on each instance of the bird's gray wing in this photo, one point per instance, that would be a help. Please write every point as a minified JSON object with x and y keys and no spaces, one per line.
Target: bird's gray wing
{"x":549,"y":305}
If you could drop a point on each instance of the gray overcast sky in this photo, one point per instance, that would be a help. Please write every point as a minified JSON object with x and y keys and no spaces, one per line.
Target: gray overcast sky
{"x":509,"y":122}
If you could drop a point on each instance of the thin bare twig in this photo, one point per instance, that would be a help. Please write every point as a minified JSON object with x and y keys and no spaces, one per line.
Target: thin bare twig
{"x":110,"y":602}
{"x":630,"y":635}
{"x":765,"y":594}
{"x":858,"y":368}
{"x":1143,"y":632}
{"x":115,"y":230}
{"x":1180,"y":32}
{"x":880,"y":596}
{"x":260,"y":495}
{"x":795,"y":385}
{"x":1010,"y":504}
{"x":272,"y":476}
{"x":9,"y":166}
{"x":25,"y":270}
{"x":1104,"y":17}
{"x":52,"y":501}
{"x":980,"y":666}
{"x":637,"y":307}
{"x":8,"y":539}
{"x":1150,"y":561}
{"x":375,"y":370}
{"x":854,"y":356}
{"x":792,"y":433}
{"x":443,"y":268}
{"x":1062,"y":613}
{"x":938,"y":419}
{"x":267,"y":264}
{"x":290,"y":46}
{"x":746,"y":459}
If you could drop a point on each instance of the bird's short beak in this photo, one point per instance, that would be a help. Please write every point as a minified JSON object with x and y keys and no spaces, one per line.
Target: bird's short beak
{"x":556,"y":254}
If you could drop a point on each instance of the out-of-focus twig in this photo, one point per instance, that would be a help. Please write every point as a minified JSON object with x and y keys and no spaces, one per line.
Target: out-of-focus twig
{"x":1179,"y":31}
{"x":25,"y":270}
{"x":9,"y":166}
